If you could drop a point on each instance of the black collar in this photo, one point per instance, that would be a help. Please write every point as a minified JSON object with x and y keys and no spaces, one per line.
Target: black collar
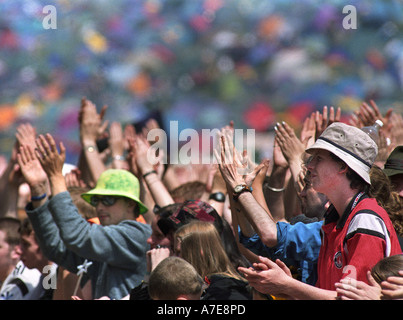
{"x":332,"y":215}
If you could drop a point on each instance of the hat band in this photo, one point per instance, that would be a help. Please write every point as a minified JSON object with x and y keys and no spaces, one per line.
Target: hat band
{"x":394,"y":164}
{"x":347,"y":151}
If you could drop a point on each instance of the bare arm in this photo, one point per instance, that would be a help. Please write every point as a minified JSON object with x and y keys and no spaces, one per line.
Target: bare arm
{"x":260,"y":220}
{"x":277,"y":184}
{"x":238,"y":219}
{"x":117,"y":146}
{"x":157,"y":189}
{"x":293,"y":150}
{"x":90,"y":128}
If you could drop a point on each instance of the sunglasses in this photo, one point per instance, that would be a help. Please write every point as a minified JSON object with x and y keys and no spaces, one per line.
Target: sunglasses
{"x":105,"y":200}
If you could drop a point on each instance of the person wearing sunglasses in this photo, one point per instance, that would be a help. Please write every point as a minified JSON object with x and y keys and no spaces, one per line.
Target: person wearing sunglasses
{"x":111,"y":254}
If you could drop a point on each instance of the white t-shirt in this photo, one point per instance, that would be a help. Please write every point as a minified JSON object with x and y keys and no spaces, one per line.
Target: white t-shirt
{"x":22,"y":284}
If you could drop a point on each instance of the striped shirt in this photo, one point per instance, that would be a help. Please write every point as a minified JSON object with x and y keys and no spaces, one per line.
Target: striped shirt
{"x":353,"y":244}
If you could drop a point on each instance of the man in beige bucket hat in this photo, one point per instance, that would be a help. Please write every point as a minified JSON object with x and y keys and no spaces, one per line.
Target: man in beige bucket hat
{"x":357,"y":232}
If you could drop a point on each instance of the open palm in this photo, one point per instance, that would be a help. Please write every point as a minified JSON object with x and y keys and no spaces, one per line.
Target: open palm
{"x":30,"y":166}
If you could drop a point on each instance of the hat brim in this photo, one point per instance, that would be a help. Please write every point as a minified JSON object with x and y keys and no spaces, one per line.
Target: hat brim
{"x":355,"y":164}
{"x":106,"y":192}
{"x":392,"y":172}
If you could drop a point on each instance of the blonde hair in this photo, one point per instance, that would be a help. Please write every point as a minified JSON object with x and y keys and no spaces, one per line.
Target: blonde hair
{"x":201,"y":246}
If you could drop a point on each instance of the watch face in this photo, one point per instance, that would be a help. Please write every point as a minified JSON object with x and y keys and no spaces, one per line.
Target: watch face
{"x":238,"y":188}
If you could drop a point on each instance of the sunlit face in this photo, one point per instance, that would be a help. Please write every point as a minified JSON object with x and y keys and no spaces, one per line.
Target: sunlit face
{"x":312,"y":202}
{"x":120,"y":210}
{"x":31,"y":254}
{"x":323,"y":170}
{"x":8,"y":257}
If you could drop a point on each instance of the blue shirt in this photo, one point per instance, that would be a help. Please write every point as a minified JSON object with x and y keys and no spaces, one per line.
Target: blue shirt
{"x":297,"y":246}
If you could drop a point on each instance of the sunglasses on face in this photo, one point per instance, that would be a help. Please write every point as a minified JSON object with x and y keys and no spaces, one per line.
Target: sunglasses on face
{"x":105,"y":200}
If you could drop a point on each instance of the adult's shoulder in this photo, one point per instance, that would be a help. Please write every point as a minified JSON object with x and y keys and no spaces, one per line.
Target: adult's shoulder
{"x":133,"y":224}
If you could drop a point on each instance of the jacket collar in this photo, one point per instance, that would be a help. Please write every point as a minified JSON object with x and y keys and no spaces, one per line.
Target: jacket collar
{"x":332,"y":215}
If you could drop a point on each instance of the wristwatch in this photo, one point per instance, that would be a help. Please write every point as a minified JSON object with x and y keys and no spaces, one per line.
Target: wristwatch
{"x":240,"y":188}
{"x":217,"y":196}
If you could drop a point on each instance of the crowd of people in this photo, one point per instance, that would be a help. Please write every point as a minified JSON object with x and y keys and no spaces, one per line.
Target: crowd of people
{"x":322,"y":219}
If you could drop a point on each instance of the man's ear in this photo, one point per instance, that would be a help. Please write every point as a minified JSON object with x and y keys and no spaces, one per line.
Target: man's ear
{"x":131,"y":205}
{"x":343,"y":168}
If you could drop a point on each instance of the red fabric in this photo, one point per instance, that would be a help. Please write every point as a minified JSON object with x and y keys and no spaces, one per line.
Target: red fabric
{"x":340,"y":257}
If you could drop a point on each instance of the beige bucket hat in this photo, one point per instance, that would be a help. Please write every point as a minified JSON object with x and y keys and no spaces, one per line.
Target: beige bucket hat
{"x":352,"y":145}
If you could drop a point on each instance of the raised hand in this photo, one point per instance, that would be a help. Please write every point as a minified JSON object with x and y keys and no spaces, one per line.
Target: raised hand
{"x":26,"y":135}
{"x":290,"y":145}
{"x":232,"y":166}
{"x":73,"y":179}
{"x":51,"y":160}
{"x":91,"y":126}
{"x":326,"y":119}
{"x":396,"y":131}
{"x":116,"y":139}
{"x":32,"y":170}
{"x":308,"y":130}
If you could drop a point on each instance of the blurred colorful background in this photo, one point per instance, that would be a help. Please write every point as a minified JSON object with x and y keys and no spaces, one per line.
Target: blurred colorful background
{"x":200,"y":62}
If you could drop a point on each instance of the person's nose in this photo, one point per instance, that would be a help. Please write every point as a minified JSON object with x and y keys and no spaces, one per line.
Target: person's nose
{"x":311,"y":165}
{"x":18,"y":249}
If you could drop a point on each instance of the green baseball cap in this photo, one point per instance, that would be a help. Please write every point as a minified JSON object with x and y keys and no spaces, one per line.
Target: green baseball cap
{"x":117,"y":182}
{"x":394,"y":163}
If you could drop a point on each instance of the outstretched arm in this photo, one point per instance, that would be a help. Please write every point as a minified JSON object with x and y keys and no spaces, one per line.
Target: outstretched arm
{"x":91,"y":127}
{"x":117,"y":146}
{"x":261,"y":221}
{"x":277,"y":183}
{"x":149,"y":173}
{"x":293,"y":151}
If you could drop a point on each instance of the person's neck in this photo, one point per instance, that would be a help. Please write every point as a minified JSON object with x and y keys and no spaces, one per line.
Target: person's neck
{"x":4,"y":274}
{"x":342,"y":200}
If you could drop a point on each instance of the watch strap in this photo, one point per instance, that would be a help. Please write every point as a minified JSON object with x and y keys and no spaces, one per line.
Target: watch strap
{"x":245,"y":188}
{"x":217,"y":196}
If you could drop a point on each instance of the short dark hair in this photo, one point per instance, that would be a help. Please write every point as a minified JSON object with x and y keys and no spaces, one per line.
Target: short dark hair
{"x":174,"y":277}
{"x":387,"y":267}
{"x":11,"y":226}
{"x":136,"y":209}
{"x":26,"y":227}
